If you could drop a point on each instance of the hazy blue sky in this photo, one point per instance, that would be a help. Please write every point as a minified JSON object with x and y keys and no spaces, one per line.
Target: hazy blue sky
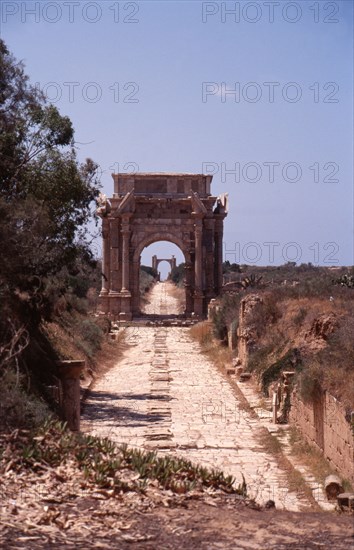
{"x":173,"y":63}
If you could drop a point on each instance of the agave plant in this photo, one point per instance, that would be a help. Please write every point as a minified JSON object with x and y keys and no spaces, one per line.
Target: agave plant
{"x":251,"y":281}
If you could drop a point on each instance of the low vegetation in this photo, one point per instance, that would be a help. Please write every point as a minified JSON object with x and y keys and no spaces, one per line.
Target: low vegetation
{"x":303,"y":324}
{"x":148,"y":277}
{"x":177,"y":275}
{"x":312,"y":458}
{"x":203,"y":333}
{"x":49,"y":277}
{"x":104,"y":464}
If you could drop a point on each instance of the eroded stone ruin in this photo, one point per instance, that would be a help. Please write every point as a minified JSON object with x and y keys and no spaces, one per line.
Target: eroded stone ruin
{"x":149,"y":207}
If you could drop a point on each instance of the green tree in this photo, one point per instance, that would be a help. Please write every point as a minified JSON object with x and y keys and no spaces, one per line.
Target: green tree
{"x":177,"y":275}
{"x":45,"y":193}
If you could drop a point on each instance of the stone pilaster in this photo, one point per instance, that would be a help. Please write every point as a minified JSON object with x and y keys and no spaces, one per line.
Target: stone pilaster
{"x":218,"y":254}
{"x":125,"y":254}
{"x":114,"y":257}
{"x":189,"y":289}
{"x":198,"y":293}
{"x":209,"y":225}
{"x":125,"y":295}
{"x":106,"y":275}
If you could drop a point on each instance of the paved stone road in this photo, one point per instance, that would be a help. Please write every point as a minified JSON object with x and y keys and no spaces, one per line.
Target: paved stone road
{"x":165,"y":395}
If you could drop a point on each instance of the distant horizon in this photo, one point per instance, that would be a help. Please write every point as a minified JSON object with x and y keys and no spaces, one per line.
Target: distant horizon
{"x":165,"y":270}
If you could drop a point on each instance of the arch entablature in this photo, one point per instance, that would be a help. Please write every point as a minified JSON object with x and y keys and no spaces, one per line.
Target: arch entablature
{"x":148,"y":208}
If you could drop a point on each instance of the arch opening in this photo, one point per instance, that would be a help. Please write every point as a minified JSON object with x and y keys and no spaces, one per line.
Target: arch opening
{"x":167,"y":261}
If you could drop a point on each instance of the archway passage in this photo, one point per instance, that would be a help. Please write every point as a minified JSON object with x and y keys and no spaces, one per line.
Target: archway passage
{"x":164,"y":300}
{"x":147,"y":208}
{"x":156,"y":262}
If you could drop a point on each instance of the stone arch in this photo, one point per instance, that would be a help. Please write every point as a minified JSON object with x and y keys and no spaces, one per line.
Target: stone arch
{"x":155,"y":238}
{"x":147,"y":241}
{"x":148,"y":208}
{"x":155,"y":262}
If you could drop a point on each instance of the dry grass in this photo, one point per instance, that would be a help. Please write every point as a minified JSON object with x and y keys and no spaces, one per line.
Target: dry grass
{"x":326,"y":361}
{"x":179,"y":294}
{"x":202,"y":333}
{"x":295,"y":481}
{"x":221,"y":355}
{"x":218,"y":354}
{"x":270,"y":443}
{"x":62,"y":341}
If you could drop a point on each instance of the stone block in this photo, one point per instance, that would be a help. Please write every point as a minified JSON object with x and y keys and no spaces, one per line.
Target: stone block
{"x":346,"y":500}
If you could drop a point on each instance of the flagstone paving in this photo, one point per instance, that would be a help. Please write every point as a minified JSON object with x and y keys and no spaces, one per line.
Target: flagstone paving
{"x":164,"y":394}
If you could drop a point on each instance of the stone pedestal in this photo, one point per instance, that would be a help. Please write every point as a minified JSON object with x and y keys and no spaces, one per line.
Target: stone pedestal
{"x":69,"y":373}
{"x":275,"y":407}
{"x":104,"y":303}
{"x":198,"y":304}
{"x":125,"y":313}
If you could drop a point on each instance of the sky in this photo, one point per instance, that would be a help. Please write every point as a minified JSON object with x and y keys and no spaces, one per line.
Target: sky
{"x":257,"y":93}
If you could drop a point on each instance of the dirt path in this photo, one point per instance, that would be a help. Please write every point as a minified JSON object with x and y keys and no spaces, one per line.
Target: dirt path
{"x":165,"y":395}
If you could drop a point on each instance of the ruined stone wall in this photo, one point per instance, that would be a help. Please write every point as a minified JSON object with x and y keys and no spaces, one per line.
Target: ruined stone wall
{"x":245,"y":331}
{"x":323,"y":424}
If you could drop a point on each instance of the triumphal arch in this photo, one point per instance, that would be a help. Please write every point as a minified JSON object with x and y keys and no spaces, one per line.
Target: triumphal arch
{"x":147,"y":208}
{"x":156,"y":261}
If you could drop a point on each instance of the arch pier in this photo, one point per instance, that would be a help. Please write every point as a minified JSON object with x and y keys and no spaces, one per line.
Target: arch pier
{"x":148,"y":208}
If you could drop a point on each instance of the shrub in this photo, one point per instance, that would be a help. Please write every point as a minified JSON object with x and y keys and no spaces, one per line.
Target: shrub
{"x":265,"y":314}
{"x":290,"y":361}
{"x":104,"y":324}
{"x":78,"y":304}
{"x":146,"y":280}
{"x":91,"y":334}
{"x":149,"y":270}
{"x":309,"y":382}
{"x":300,"y":316}
{"x":79,"y":285}
{"x":18,"y":408}
{"x":177,"y":275}
{"x":201,"y":332}
{"x":258,"y":358}
{"x":227,"y":313}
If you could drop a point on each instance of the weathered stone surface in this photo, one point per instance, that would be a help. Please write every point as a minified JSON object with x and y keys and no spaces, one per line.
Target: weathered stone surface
{"x":197,"y":417}
{"x":246,"y":331}
{"x":324,"y":426}
{"x":244,"y":376}
{"x":69,"y":372}
{"x":346,"y":500}
{"x":147,"y":208}
{"x":333,"y":487}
